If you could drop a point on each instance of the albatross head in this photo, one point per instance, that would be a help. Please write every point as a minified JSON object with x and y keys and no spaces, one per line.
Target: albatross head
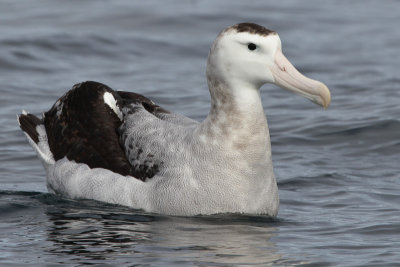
{"x":249,"y":55}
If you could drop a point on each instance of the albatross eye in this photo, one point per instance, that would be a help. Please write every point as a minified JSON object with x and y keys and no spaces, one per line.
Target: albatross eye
{"x":251,"y":46}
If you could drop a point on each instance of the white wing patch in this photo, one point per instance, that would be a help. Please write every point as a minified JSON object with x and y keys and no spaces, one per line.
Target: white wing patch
{"x":59,"y":107}
{"x":112,"y":103}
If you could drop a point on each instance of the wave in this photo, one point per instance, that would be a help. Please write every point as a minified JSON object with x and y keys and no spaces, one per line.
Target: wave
{"x":382,"y":136}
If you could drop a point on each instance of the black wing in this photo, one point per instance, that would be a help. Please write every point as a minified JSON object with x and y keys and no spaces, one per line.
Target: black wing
{"x":83,"y":128}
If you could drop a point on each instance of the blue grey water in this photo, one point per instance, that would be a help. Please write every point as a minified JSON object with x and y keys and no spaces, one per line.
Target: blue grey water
{"x":338,"y":170}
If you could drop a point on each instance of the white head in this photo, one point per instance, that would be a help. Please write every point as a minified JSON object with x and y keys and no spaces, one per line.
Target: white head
{"x":248,"y":55}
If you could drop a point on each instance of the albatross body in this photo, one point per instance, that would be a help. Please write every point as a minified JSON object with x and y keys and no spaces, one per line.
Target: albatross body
{"x":120,"y":147}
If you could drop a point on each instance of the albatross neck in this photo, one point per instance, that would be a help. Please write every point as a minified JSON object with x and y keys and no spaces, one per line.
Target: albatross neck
{"x":240,"y":100}
{"x":236,"y":113}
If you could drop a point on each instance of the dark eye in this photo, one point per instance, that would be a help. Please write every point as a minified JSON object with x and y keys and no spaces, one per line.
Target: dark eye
{"x":251,"y":46}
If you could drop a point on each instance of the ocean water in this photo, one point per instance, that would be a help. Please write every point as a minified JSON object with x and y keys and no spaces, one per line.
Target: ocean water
{"x":338,"y":170}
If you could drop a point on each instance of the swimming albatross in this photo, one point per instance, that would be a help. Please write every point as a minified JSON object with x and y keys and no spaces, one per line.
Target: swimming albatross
{"x":120,"y":147}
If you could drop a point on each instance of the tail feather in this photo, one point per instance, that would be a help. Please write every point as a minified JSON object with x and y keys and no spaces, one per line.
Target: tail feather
{"x":35,"y":131}
{"x":28,"y":123}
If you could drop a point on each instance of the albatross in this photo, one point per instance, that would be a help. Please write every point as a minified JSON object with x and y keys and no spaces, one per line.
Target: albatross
{"x":120,"y":147}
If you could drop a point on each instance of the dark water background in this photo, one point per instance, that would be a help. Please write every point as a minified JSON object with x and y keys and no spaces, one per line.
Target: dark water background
{"x":337,"y":170}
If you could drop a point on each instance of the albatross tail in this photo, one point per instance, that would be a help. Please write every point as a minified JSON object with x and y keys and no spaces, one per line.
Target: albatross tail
{"x":35,"y":132}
